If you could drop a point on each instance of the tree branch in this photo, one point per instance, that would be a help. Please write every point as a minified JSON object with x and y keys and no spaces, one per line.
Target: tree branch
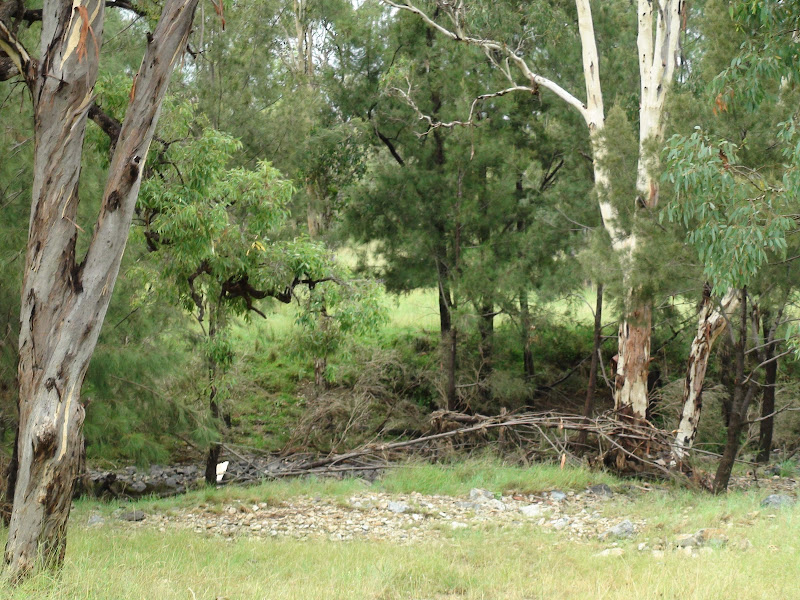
{"x":19,"y":57}
{"x":495,"y":46}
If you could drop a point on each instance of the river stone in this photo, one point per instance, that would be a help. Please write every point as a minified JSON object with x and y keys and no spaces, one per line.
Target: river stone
{"x":134,"y":515}
{"x":532,"y":510}
{"x":137,"y":487}
{"x":624,"y":529}
{"x":479,"y":495}
{"x":398,"y":507}
{"x":687,"y":540}
{"x":715,"y":538}
{"x":601,"y":489}
{"x":777,"y":501}
{"x":558,"y":495}
{"x":494,"y":504}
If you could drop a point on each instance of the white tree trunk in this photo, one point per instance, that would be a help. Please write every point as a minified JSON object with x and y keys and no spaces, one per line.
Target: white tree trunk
{"x":711,"y":323}
{"x":658,"y":55}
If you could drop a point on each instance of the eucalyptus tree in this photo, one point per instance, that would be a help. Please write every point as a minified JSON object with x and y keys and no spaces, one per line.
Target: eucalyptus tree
{"x":658,"y":25}
{"x":735,"y":178}
{"x":64,"y":296}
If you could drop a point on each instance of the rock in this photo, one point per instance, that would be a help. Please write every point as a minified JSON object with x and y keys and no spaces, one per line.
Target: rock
{"x":134,"y":515}
{"x":479,"y":495}
{"x":469,"y":505}
{"x":714,"y":538}
{"x":557,"y":495}
{"x":642,"y":547}
{"x":95,"y":520}
{"x":687,"y":540}
{"x":532,"y":510}
{"x":494,"y":505}
{"x":611,"y":552}
{"x":777,"y":501}
{"x":600,"y":489}
{"x":561,"y":523}
{"x":744,"y":544}
{"x":137,"y":487}
{"x":458,"y":525}
{"x":398,"y":507}
{"x":624,"y":529}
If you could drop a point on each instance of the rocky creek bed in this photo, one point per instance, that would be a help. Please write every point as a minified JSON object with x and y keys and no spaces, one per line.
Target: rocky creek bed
{"x":577,"y":517}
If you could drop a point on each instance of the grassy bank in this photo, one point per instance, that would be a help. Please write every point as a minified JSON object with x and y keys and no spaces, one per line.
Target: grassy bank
{"x":117,"y":561}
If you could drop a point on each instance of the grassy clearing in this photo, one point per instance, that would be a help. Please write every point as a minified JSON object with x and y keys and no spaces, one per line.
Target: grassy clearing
{"x":515,"y":563}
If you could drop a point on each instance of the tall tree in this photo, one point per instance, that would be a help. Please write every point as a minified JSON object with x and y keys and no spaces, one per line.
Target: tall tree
{"x":64,"y":298}
{"x":659,"y":26}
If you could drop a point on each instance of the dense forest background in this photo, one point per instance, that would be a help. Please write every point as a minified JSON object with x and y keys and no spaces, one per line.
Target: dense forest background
{"x":427,"y":242}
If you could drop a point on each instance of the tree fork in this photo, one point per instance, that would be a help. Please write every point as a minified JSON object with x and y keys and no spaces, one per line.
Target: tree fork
{"x":65,"y":301}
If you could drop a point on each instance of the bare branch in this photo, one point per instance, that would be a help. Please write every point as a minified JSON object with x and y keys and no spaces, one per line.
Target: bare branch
{"x":501,"y":47}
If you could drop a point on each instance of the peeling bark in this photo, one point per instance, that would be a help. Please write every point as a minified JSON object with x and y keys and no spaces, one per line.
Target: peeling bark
{"x":633,"y":361}
{"x":711,"y":323}
{"x":64,"y":301}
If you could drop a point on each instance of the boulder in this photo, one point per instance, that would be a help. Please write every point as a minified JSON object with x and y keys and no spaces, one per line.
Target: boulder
{"x":777,"y":501}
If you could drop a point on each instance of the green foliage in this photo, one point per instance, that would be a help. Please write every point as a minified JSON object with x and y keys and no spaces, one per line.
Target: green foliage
{"x":735,"y":216}
{"x":336,"y":310}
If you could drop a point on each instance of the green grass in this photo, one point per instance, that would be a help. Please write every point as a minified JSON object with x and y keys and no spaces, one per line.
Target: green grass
{"x":526,"y":562}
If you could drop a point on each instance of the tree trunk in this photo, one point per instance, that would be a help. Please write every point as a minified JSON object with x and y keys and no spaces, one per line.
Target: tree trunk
{"x":727,"y":377}
{"x":711,"y":323}
{"x":526,"y":326}
{"x":770,"y":378}
{"x":451,"y":364}
{"x":216,"y":448}
{"x":633,"y":360}
{"x":742,"y":396}
{"x":588,"y":405}
{"x":64,"y":302}
{"x":768,"y":406}
{"x":486,"y":331}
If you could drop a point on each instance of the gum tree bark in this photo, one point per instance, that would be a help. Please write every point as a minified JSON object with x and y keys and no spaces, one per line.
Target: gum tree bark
{"x":711,"y":323}
{"x":64,"y":301}
{"x":659,"y":26}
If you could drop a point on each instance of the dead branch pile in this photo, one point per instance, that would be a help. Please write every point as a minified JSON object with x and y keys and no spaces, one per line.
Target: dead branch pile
{"x":625,"y":446}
